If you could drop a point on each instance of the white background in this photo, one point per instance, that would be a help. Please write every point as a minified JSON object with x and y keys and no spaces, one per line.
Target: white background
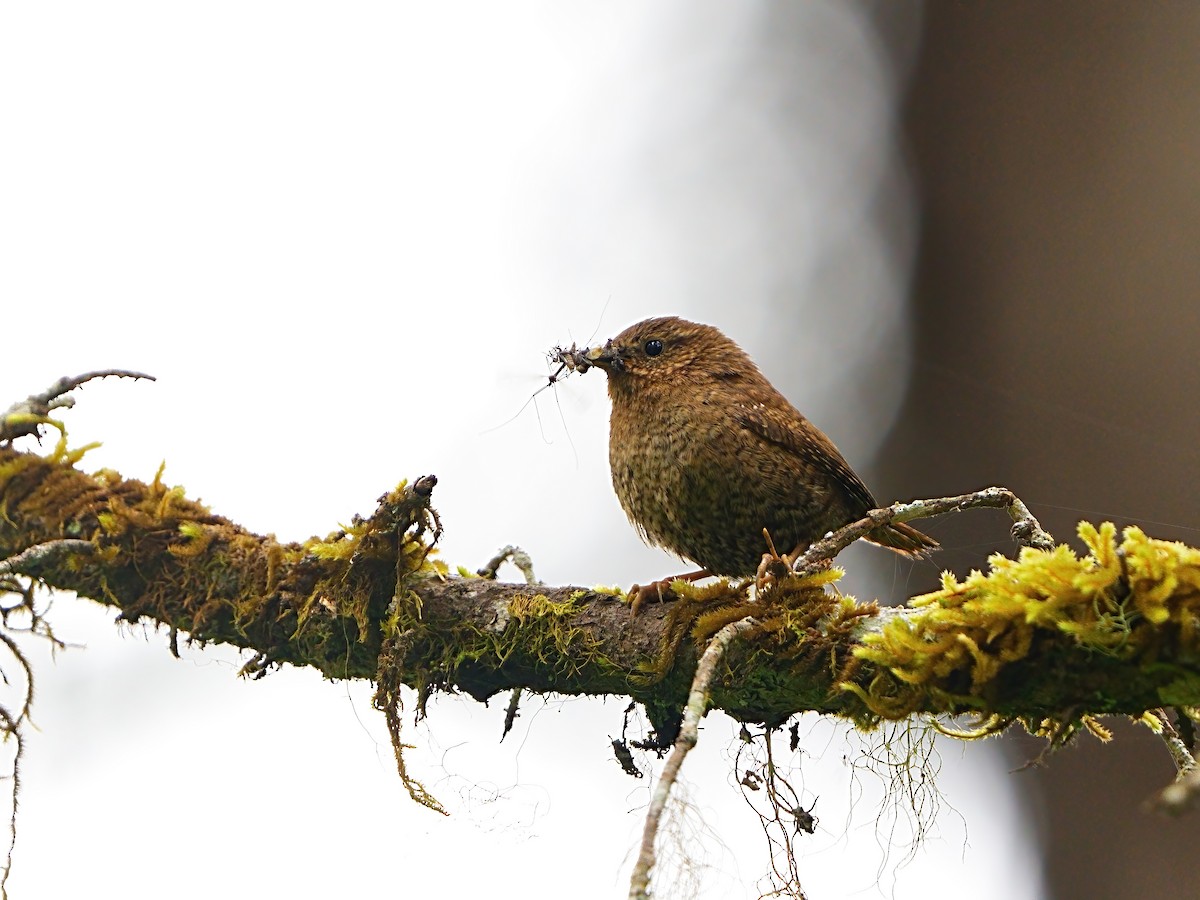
{"x":343,"y":237}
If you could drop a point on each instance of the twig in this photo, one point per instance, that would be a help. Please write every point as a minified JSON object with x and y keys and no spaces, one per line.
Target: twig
{"x":524,"y":562}
{"x":516,"y":556}
{"x":26,"y":416}
{"x":1180,"y":754}
{"x":11,"y":727}
{"x":1179,"y":796}
{"x":697,"y":705}
{"x":27,"y":561}
{"x":1025,"y":531}
{"x":510,"y":712}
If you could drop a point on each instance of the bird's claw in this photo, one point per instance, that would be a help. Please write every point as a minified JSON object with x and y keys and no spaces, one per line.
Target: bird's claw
{"x":774,"y":565}
{"x":772,"y":568}
{"x":656,"y":591}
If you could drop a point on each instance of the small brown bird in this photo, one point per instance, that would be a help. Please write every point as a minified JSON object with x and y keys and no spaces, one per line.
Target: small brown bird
{"x":705,"y":453}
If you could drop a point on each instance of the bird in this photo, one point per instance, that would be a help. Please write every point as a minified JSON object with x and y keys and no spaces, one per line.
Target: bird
{"x":705,"y":453}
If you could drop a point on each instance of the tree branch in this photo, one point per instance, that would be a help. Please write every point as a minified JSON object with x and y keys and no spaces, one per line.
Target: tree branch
{"x":1025,"y":531}
{"x":1048,"y":636}
{"x":26,"y":417}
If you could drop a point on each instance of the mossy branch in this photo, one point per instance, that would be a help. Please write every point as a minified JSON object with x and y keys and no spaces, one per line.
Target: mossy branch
{"x":1050,"y":639}
{"x":1049,"y":636}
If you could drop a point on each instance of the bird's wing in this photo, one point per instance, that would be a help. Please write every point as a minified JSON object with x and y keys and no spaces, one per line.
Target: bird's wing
{"x":789,"y":430}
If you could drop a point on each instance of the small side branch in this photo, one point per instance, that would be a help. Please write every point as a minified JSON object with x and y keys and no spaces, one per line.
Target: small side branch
{"x":524,"y":562}
{"x":697,"y":706}
{"x":30,"y":560}
{"x":516,"y":556}
{"x":1025,"y":531}
{"x":29,"y":563}
{"x":27,"y":416}
{"x":1179,"y":796}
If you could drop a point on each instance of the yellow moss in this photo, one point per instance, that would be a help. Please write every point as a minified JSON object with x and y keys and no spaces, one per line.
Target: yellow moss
{"x":554,"y":642}
{"x":1114,"y":601}
{"x":693,"y":602}
{"x":339,"y":545}
{"x":1151,"y":721}
{"x":70,"y":457}
{"x":107,"y":554}
{"x":526,"y":606}
{"x":110,"y":523}
{"x":986,"y":727}
{"x":198,"y":538}
{"x":276,"y":556}
{"x":799,"y":622}
{"x":16,"y":465}
{"x":709,"y":623}
{"x":1092,"y":724}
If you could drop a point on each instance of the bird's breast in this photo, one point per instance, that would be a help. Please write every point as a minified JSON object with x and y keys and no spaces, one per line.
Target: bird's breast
{"x":671,"y":473}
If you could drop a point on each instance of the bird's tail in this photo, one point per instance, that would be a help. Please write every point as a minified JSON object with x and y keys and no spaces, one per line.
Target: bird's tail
{"x":903,"y":539}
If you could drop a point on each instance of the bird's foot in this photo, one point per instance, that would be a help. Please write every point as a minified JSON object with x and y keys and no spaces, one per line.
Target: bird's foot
{"x":659,"y":591}
{"x":773,"y":569}
{"x":656,"y":591}
{"x":774,"y":566}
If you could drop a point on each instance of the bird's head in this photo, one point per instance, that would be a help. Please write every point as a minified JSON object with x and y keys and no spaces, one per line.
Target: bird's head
{"x":664,"y":351}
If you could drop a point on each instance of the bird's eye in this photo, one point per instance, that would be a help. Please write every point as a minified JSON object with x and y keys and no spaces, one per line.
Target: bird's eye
{"x":654,"y":347}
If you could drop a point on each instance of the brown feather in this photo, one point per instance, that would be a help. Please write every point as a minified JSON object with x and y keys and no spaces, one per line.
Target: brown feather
{"x":903,"y":539}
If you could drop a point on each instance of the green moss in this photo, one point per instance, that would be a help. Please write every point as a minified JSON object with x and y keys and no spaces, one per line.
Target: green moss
{"x":1129,"y":602}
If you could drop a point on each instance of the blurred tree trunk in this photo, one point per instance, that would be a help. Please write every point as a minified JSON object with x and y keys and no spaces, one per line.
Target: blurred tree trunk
{"x":1056,"y":314}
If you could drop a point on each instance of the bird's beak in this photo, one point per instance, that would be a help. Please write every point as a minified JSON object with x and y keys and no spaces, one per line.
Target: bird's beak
{"x":607,"y":357}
